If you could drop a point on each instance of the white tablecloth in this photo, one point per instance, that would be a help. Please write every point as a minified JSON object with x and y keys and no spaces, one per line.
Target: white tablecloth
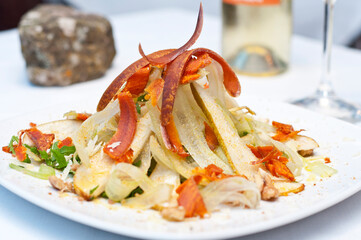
{"x":156,"y":30}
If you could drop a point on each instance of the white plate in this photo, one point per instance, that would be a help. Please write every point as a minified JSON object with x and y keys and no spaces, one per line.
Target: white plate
{"x":338,"y":140}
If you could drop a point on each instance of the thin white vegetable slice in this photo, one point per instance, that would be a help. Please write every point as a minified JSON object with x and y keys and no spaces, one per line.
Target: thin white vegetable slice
{"x":234,"y":190}
{"x":154,"y":193}
{"x":191,"y":134}
{"x":161,"y":153}
{"x":90,"y":127}
{"x":170,"y":160}
{"x":119,"y":185}
{"x":90,"y":179}
{"x":158,"y":195}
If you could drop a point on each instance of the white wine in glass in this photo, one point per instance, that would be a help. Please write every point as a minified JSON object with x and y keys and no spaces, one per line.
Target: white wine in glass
{"x":324,"y":100}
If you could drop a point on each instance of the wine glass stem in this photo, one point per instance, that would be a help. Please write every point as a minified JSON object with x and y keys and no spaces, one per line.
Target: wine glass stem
{"x":325,"y":87}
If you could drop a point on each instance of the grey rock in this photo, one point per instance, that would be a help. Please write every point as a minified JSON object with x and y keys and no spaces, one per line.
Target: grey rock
{"x":62,"y":46}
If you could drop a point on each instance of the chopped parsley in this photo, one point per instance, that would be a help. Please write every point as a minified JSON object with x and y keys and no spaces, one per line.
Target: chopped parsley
{"x":93,"y":189}
{"x":242,"y":134}
{"x":137,"y":106}
{"x":141,"y":98}
{"x":138,"y":190}
{"x":137,"y":162}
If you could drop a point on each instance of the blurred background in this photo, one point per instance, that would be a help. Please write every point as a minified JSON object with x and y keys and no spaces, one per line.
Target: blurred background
{"x":308,"y":14}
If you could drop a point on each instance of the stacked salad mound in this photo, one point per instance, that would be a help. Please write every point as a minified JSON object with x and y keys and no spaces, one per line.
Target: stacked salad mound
{"x":169,"y":136}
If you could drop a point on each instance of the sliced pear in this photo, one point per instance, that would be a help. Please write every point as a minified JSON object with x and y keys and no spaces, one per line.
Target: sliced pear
{"x":90,"y":180}
{"x":286,"y":188}
{"x":305,"y":145}
{"x":238,"y":154}
{"x":61,"y":129}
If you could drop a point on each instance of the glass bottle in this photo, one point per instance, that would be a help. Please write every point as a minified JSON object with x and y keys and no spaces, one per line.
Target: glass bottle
{"x":257,"y":35}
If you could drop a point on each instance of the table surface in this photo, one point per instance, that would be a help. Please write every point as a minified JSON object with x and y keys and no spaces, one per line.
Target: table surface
{"x":20,"y":219}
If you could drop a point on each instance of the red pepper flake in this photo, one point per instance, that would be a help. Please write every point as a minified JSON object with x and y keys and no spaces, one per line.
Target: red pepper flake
{"x":210,"y":136}
{"x":31,"y":124}
{"x":41,"y":140}
{"x":327,"y":160}
{"x":190,"y":198}
{"x":284,"y":131}
{"x":66,"y":142}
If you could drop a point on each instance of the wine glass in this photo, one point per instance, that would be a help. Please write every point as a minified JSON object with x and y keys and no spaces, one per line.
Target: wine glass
{"x":324,"y":100}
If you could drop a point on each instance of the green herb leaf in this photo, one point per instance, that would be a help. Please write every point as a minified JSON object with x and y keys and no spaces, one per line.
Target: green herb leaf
{"x":137,"y":106}
{"x":141,"y":98}
{"x":67,"y":150}
{"x":11,"y":144}
{"x":244,"y":133}
{"x":27,"y":159}
{"x":32,"y":149}
{"x":137,"y":162}
{"x":104,"y":195}
{"x":93,"y":190}
{"x":58,"y":159}
{"x":153,"y":163}
{"x":44,"y":155}
{"x":138,"y":190}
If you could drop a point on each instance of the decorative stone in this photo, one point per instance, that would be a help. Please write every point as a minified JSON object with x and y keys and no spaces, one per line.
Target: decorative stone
{"x":62,"y":46}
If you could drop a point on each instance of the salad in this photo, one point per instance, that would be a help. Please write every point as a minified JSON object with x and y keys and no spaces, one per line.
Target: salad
{"x":169,"y":136}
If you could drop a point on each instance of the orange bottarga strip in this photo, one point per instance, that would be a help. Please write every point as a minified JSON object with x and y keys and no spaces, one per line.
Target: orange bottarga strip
{"x":195,"y":64}
{"x":138,"y":81}
{"x":66,"y":142}
{"x":190,"y":73}
{"x":284,"y":131}
{"x":261,"y":151}
{"x":190,"y":198}
{"x":82,"y":116}
{"x":126,"y":157}
{"x":41,"y":140}
{"x":173,"y":76}
{"x":273,"y":159}
{"x":266,"y":153}
{"x":167,"y":58}
{"x":127,"y":124}
{"x":6,"y":149}
{"x":155,"y":90}
{"x":210,"y":136}
{"x":20,"y":152}
{"x":171,"y":139}
{"x":278,"y":169}
{"x":211,"y":173}
{"x":175,"y":70}
{"x":189,"y":78}
{"x":124,"y":76}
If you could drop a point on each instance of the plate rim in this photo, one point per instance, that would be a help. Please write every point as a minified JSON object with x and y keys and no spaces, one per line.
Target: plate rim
{"x":271,"y":223}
